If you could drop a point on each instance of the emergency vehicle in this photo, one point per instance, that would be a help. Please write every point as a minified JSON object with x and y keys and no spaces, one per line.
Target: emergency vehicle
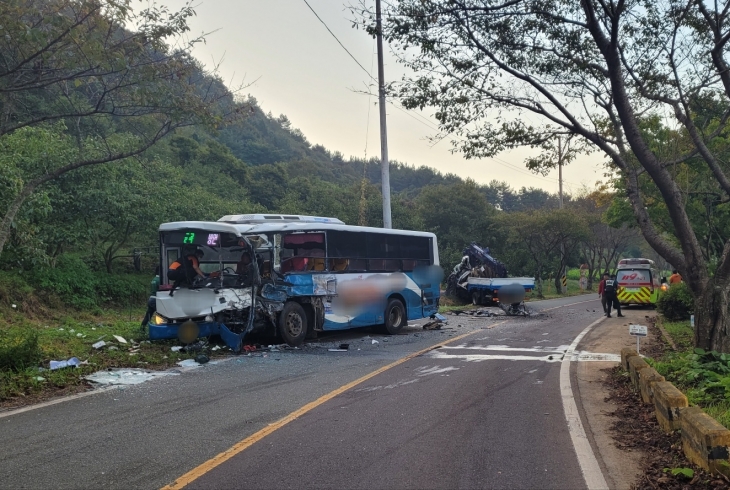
{"x":639,"y":282}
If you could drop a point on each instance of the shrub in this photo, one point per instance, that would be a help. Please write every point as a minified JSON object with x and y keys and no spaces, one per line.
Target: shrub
{"x":19,"y":349}
{"x":13,"y":288}
{"x":122,"y":289}
{"x":78,"y":286}
{"x":71,"y":280}
{"x":677,"y":303}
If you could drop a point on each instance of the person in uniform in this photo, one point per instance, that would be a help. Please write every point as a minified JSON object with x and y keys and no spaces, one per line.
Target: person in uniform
{"x":185,"y":270}
{"x":610,"y":290}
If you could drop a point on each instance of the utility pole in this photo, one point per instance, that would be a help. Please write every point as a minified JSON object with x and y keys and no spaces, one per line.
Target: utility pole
{"x":560,"y":171}
{"x":384,"y":164}
{"x":560,"y":195}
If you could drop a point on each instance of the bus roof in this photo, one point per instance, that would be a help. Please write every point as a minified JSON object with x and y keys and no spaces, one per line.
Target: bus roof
{"x":281,"y":227}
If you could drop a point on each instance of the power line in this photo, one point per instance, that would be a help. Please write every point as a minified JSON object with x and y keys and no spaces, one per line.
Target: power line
{"x":338,"y":41}
{"x":416,"y":116}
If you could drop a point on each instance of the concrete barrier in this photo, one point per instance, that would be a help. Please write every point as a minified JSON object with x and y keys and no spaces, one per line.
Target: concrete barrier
{"x":636,"y":364}
{"x":705,"y":441}
{"x":647,"y":378}
{"x":668,"y":401}
{"x":626,"y":353}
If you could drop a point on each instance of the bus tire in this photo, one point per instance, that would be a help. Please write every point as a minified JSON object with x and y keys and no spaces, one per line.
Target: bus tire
{"x":475,"y":299}
{"x":293,"y":324}
{"x":395,"y":316}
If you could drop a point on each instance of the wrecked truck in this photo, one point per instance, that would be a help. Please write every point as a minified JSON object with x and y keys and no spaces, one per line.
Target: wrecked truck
{"x":480,"y":278}
{"x":306,"y":275}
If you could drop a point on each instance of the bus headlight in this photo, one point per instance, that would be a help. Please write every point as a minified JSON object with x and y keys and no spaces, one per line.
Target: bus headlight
{"x":158,"y":319}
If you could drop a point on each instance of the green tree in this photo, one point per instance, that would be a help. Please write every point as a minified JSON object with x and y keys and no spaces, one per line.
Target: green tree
{"x":458,"y":214}
{"x":593,"y":69}
{"x":119,"y":92}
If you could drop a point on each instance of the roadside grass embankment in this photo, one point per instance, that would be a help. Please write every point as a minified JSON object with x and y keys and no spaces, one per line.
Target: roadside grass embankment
{"x":62,"y":318}
{"x":704,"y":377}
{"x":27,"y":348}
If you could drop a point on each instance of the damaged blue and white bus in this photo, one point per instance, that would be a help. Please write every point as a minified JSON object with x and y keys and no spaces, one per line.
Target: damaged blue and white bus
{"x":302,"y":275}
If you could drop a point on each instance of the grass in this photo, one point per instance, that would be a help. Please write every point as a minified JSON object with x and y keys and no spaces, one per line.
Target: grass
{"x":72,"y":335}
{"x":680,"y":368}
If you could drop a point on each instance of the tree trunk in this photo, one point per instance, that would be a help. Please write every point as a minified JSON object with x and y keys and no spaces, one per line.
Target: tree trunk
{"x":12,"y":212}
{"x":712,"y":322}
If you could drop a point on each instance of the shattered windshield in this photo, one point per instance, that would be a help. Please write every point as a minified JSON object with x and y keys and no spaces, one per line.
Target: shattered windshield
{"x":209,"y":259}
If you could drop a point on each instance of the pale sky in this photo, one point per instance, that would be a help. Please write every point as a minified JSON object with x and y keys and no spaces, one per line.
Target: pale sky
{"x":295,"y":67}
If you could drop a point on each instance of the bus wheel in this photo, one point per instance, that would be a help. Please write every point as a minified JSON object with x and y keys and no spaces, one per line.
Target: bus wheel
{"x":293,"y":324}
{"x":395,"y":316}
{"x":475,"y":300}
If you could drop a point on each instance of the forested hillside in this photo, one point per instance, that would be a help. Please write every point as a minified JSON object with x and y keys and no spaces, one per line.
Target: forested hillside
{"x":91,"y":166}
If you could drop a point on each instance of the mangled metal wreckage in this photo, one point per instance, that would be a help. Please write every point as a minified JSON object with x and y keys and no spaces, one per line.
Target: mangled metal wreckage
{"x":300,"y":271}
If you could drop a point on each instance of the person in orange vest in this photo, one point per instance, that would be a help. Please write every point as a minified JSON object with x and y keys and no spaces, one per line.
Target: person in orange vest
{"x":602,"y":291}
{"x":185,"y":270}
{"x":675,"y":278}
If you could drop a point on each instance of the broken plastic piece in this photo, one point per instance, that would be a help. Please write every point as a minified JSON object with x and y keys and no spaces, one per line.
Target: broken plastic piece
{"x":74,"y":361}
{"x":176,"y":348}
{"x":98,"y":345}
{"x":375,"y":341}
{"x":120,"y":339}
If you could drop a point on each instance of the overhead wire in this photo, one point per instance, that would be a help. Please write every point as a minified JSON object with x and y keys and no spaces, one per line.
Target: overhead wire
{"x":338,"y":41}
{"x":418,"y":117}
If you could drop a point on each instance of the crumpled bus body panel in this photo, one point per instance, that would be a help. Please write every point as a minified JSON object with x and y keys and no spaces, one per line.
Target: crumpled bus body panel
{"x":190,"y":303}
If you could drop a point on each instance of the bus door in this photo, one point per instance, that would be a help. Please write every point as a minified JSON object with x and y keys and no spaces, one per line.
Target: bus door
{"x":634,"y":286}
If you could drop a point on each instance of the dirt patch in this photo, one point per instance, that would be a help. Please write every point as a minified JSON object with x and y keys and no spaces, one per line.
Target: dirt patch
{"x":48,"y":393}
{"x":635,"y":429}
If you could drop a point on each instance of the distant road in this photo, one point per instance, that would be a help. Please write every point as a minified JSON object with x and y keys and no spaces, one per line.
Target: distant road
{"x":482,"y":411}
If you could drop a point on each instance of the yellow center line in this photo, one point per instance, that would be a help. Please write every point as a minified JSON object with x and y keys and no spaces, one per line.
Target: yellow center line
{"x":221,"y":458}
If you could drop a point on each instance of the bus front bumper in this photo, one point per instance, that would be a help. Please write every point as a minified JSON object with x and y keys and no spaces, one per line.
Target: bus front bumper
{"x":190,"y":329}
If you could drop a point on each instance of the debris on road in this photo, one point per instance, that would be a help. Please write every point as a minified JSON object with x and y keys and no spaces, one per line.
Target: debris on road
{"x":188,"y":363}
{"x":124,"y":376}
{"x":375,"y":342}
{"x":433,"y":325}
{"x":201,"y":359}
{"x":341,"y":348}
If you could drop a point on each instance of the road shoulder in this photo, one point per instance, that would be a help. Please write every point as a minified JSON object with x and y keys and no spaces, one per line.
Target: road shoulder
{"x":621,"y":467}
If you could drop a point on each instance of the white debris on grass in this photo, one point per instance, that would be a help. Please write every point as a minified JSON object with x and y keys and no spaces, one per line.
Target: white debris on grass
{"x":125,"y":376}
{"x":188,"y":363}
{"x":120,"y":339}
{"x":98,"y":345}
{"x":176,"y":348}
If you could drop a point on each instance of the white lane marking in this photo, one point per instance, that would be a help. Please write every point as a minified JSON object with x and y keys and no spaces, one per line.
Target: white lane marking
{"x":490,"y":357}
{"x":427,"y":371}
{"x":388,"y":387}
{"x":583,"y":450}
{"x":545,"y":349}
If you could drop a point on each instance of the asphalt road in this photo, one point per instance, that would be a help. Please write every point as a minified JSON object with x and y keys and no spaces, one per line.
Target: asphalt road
{"x":482,"y":411}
